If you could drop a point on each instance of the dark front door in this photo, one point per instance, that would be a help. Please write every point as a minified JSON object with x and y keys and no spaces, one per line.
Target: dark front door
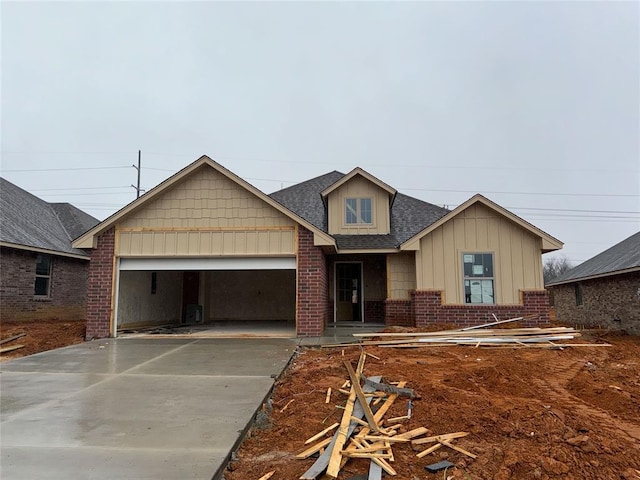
{"x":348,"y":294}
{"x":190,"y":293}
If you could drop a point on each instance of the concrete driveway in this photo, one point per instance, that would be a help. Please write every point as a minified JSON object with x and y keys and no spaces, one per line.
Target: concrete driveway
{"x":133,"y":408}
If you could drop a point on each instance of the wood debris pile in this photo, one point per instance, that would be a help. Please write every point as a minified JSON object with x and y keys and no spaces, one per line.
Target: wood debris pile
{"x":480,"y":336}
{"x":364,"y":432}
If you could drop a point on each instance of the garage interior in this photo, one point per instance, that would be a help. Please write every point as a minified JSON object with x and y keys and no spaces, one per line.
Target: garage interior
{"x":248,"y":300}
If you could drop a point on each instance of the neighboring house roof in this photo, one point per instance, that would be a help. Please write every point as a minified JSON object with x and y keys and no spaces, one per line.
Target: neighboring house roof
{"x":28,"y":222}
{"x":621,"y":258}
{"x":549,"y":243}
{"x":408,"y":215}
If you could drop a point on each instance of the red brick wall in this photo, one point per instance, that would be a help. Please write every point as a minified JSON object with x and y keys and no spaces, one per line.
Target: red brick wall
{"x":313,"y":287}
{"x":399,"y":312}
{"x":609,"y":302}
{"x":374,"y":311}
{"x":428,"y":309}
{"x":67,"y":294}
{"x":99,"y":286}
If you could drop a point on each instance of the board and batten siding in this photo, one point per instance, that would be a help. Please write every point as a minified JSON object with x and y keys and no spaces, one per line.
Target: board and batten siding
{"x":359,"y":187}
{"x":204,"y":215}
{"x":478,"y":229}
{"x":401,"y":275}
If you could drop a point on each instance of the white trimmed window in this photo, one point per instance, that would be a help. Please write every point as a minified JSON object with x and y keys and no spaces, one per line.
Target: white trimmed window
{"x":42,"y":287}
{"x":358,"y":211}
{"x":478,"y":278}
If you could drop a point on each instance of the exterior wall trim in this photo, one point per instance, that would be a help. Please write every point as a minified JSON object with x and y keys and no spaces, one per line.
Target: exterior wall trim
{"x":44,"y":250}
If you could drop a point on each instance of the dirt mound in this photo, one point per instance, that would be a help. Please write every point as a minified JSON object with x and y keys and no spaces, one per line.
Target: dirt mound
{"x":531,"y":413}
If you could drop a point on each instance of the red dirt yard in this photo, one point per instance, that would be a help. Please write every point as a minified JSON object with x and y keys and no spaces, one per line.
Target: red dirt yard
{"x":531,"y":413}
{"x":41,"y":335}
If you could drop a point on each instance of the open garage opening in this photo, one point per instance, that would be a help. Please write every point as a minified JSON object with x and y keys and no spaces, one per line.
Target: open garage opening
{"x":207,"y":302}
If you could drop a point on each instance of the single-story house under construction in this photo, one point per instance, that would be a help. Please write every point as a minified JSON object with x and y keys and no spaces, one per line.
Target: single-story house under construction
{"x":206,"y":246}
{"x":603,"y":291}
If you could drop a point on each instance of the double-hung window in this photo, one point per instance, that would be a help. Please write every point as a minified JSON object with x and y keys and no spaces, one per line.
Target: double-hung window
{"x":358,"y":211}
{"x":42,"y":287}
{"x":478,"y":278}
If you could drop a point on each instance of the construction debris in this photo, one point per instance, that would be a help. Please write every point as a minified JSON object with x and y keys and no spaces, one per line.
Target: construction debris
{"x":11,"y":339}
{"x":478,"y":336}
{"x":374,"y":438}
{"x":11,"y":348}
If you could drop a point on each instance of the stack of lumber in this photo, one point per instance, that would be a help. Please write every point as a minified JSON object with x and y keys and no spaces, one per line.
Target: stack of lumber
{"x":479,"y":336}
{"x":361,"y":433}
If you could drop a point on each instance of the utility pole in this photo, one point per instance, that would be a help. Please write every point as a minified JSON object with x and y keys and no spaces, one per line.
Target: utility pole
{"x":137,"y":187}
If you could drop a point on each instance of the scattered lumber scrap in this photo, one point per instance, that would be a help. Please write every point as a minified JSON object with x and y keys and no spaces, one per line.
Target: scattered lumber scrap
{"x":479,"y":336}
{"x":11,"y":339}
{"x":11,"y":348}
{"x":442,"y":441}
{"x":366,"y":433}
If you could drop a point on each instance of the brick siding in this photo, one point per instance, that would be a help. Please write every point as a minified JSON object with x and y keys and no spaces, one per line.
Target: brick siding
{"x":399,"y":312}
{"x":67,"y":294}
{"x":610,"y":302}
{"x":374,"y":311}
{"x":429,"y":309}
{"x":313,"y":287}
{"x":99,"y":286}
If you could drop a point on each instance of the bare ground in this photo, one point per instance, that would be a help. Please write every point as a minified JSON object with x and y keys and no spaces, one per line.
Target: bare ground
{"x":532,"y":413}
{"x":41,"y":335}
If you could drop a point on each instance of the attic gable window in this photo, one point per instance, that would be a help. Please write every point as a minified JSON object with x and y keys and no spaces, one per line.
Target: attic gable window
{"x":42,"y":287}
{"x":358,"y":211}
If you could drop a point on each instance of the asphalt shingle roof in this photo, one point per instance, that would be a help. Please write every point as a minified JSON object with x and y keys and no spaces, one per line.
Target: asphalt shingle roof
{"x":408,"y":215}
{"x":622,"y":256}
{"x":30,"y":221}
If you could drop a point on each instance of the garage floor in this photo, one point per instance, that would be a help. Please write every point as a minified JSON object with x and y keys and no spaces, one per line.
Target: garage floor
{"x":135,"y":408}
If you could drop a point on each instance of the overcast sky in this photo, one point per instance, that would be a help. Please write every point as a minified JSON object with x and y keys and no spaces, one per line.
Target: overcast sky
{"x":535,"y":105}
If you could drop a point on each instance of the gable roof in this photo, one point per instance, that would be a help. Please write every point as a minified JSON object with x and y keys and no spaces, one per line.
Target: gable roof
{"x":621,"y":258}
{"x":359,"y":172}
{"x":408,"y":215}
{"x":29,"y":223}
{"x":87,"y":240}
{"x":549,"y":243}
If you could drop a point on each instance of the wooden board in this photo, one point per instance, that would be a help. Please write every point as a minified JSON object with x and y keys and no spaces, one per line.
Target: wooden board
{"x":322,"y":462}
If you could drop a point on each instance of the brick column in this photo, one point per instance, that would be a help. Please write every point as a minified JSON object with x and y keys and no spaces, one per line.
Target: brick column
{"x":99,"y":286}
{"x":312,"y":287}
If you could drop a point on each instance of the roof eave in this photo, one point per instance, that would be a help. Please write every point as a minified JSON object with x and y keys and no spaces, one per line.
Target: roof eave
{"x":87,"y":240}
{"x":549,"y":243}
{"x":48,"y":251}
{"x":592,"y":277}
{"x":366,"y":250}
{"x":359,"y":171}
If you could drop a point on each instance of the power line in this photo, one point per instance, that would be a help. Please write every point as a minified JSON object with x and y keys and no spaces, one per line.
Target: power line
{"x":77,"y":188}
{"x":61,"y":169}
{"x":298,"y":162}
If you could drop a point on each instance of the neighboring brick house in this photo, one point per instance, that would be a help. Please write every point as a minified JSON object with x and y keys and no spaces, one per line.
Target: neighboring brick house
{"x":206,"y":246}
{"x":604,"y":291}
{"x":41,"y":275}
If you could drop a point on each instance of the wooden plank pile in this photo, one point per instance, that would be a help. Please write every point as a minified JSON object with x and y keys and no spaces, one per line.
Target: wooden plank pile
{"x":480,"y":336}
{"x":361,"y":433}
